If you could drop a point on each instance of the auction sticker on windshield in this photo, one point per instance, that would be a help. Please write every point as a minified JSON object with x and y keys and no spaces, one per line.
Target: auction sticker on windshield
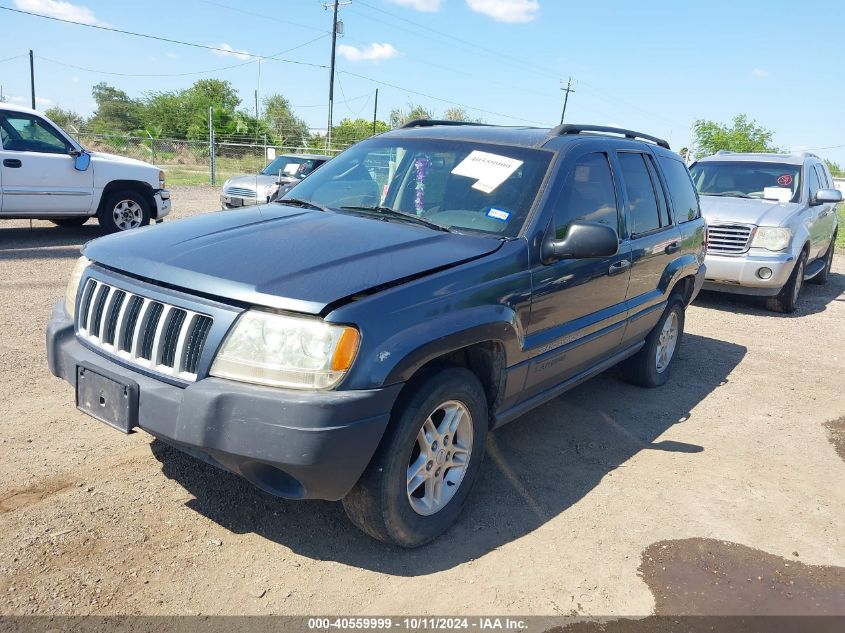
{"x":489,"y":170}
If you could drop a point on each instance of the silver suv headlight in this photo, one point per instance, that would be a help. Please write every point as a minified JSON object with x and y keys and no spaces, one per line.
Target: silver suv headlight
{"x":772,"y":238}
{"x":285,"y":351}
{"x":73,"y":285}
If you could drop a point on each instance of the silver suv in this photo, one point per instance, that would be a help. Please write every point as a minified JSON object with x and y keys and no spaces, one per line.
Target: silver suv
{"x":772,"y":223}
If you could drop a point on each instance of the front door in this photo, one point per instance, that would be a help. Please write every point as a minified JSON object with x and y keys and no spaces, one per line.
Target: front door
{"x":578,"y":307}
{"x":38,"y":174}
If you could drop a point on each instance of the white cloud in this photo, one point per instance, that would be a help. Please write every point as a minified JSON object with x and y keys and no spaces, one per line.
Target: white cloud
{"x":172,"y":56}
{"x":373,"y":52}
{"x":60,"y":9}
{"x":17,"y":99}
{"x":41,"y":102}
{"x":228,"y":51}
{"x":427,"y":6}
{"x":760,"y":73}
{"x":506,"y":10}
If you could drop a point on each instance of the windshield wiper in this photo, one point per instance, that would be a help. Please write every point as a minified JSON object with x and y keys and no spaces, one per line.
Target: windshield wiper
{"x":727,"y":194}
{"x":307,"y":204}
{"x":400,"y":215}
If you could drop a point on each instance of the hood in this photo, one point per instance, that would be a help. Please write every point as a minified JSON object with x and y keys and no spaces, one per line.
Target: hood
{"x":747,"y":210}
{"x":114,"y":158}
{"x":284,"y":257}
{"x":251,"y":182}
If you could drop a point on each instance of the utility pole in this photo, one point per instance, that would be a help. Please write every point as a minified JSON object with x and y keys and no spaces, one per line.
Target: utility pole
{"x":567,"y":90}
{"x":375,"y":113}
{"x":331,"y":77}
{"x":32,"y":77}
{"x":211,"y":145}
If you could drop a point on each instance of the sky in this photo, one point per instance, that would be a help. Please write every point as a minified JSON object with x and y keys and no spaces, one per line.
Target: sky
{"x":653,"y":66}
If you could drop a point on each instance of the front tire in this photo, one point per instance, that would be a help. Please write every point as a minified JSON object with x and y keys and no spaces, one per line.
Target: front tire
{"x":787,"y":299}
{"x":651,"y":366}
{"x":417,"y":482}
{"x":124,"y":210}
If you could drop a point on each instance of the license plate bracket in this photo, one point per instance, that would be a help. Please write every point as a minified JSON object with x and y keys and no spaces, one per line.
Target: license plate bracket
{"x":107,"y":397}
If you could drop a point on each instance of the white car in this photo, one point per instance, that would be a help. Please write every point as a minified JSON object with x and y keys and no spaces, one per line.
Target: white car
{"x":46,"y":174}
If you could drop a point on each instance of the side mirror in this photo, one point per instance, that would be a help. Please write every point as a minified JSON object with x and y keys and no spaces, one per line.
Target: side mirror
{"x":823,"y":196}
{"x":82,"y":160}
{"x":584,"y":240}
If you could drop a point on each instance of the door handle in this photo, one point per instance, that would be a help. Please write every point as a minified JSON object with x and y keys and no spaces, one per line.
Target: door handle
{"x":619,"y":267}
{"x":14,"y":163}
{"x":674,"y":247}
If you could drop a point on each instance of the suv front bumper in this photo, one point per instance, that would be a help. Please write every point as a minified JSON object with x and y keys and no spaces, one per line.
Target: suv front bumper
{"x":740,"y":274}
{"x":293,"y":444}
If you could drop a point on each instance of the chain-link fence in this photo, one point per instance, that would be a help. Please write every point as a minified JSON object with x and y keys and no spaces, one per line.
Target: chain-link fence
{"x":189,"y":162}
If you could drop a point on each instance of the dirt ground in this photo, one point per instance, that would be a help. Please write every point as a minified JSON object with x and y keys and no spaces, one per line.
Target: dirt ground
{"x":734,"y":449}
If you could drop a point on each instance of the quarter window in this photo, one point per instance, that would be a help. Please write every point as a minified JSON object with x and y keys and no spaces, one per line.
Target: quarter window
{"x":642,"y":203}
{"x":588,"y":195}
{"x":681,"y":190}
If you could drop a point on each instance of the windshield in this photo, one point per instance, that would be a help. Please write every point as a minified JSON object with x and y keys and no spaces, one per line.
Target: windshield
{"x":745,"y":179}
{"x":460,"y":185}
{"x":293,"y":166}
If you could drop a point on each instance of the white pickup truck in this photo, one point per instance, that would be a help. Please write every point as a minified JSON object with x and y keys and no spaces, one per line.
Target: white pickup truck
{"x":45,"y":174}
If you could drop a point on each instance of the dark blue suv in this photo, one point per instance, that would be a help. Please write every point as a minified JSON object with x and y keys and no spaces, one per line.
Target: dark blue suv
{"x":359,"y":338}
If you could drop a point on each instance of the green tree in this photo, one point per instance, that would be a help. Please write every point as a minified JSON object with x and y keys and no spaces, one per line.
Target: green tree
{"x":743,"y":135}
{"x":460,"y":114}
{"x":351,"y":131}
{"x":67,"y":119}
{"x":283,"y":125}
{"x":400,"y":116}
{"x":834,"y":168}
{"x":116,"y":111}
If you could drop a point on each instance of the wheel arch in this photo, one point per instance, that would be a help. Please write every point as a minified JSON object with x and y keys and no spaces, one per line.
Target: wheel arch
{"x":137,"y":186}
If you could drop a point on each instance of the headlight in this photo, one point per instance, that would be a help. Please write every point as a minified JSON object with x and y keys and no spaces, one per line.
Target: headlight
{"x":772,"y":238}
{"x":285,"y":351}
{"x":73,"y":285}
{"x":161,"y":179}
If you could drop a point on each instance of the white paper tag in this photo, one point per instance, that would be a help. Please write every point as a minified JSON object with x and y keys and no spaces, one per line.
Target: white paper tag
{"x":489,"y":170}
{"x":291,"y":168}
{"x":781,"y":194}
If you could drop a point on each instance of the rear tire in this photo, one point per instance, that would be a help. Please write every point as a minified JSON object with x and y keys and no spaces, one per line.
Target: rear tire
{"x":787,"y":299}
{"x":416,"y":484}
{"x":651,"y":366}
{"x":822,"y":277}
{"x":124,"y":210}
{"x":69,"y":223}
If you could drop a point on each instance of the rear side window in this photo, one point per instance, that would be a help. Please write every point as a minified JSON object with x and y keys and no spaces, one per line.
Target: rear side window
{"x":642,"y":203}
{"x":681,"y":190}
{"x":588,"y":195}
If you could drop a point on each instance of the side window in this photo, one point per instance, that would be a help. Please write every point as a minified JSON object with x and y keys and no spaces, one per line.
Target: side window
{"x":642,"y":203}
{"x":588,"y":194}
{"x":681,"y":190}
{"x":27,"y":133}
{"x":823,"y":183}
{"x":662,"y":202}
{"x":813,"y":180}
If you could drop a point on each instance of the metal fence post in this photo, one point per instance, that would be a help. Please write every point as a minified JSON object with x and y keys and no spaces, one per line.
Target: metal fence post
{"x":211,"y":144}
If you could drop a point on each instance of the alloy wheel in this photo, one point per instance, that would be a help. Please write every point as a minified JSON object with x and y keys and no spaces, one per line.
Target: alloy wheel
{"x":127,"y":214}
{"x":666,"y":342}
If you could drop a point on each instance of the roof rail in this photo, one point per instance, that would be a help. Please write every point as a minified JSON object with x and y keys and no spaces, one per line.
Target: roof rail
{"x":572,"y":128}
{"x":433,"y":122}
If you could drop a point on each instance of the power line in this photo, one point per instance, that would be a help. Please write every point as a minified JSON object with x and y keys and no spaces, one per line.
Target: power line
{"x":264,"y":16}
{"x":8,"y":59}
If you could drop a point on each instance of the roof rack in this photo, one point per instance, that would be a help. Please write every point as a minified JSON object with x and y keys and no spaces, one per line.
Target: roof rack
{"x":433,"y":122}
{"x":572,"y":128}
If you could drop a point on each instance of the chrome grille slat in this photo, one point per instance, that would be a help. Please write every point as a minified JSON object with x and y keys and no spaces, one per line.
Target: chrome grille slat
{"x":164,"y":338}
{"x":729,"y":239}
{"x":239,"y":191}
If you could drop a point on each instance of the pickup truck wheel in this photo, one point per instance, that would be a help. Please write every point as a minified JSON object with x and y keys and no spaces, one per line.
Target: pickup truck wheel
{"x":828,"y":264}
{"x":787,"y":299}
{"x":124,"y":210}
{"x":650,"y":367}
{"x":427,"y":462}
{"x":69,"y":223}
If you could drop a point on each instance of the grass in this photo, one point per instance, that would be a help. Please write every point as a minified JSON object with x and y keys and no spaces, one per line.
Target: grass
{"x":840,"y":238}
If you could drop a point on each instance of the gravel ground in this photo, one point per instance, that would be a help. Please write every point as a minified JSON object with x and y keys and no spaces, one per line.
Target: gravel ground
{"x":735,"y":449}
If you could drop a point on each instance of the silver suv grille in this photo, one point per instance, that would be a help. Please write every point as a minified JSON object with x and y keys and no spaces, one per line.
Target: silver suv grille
{"x":241,"y":192}
{"x":157,"y":336}
{"x":728,"y":239}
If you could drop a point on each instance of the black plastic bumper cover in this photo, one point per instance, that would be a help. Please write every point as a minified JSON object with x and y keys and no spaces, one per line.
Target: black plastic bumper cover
{"x":294,"y":444}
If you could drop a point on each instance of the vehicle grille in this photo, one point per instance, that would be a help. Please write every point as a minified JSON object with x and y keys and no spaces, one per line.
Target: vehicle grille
{"x":240,"y":192}
{"x":148,"y":333}
{"x":728,"y":239}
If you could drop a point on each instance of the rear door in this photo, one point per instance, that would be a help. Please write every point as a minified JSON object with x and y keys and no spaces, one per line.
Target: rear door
{"x":578,"y":306}
{"x":38,"y":174}
{"x":654,"y":240}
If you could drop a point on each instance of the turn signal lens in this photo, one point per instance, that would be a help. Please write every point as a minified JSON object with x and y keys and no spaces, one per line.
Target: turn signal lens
{"x":346,"y":349}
